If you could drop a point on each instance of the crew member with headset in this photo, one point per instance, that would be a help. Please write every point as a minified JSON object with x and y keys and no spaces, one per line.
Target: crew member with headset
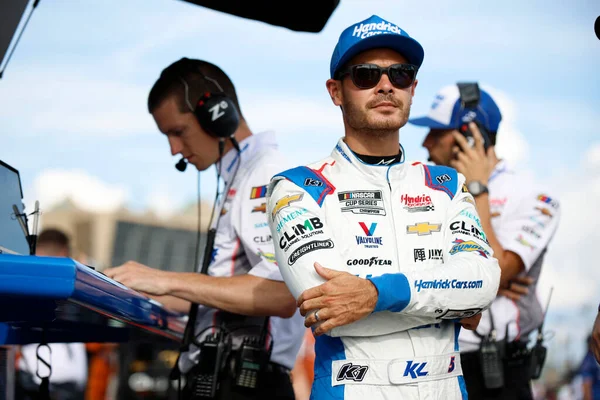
{"x":244,"y":331}
{"x":519,"y":219}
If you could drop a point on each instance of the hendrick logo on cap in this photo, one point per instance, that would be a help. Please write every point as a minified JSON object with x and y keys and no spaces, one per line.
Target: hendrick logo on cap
{"x":365,"y":30}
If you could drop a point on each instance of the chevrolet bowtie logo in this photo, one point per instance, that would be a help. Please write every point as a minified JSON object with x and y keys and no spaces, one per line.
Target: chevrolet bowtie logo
{"x":423,"y":228}
{"x":262,"y":208}
{"x":285,"y":202}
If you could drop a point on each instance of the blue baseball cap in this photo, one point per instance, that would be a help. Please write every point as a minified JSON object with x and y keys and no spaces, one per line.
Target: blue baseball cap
{"x":447,"y":111}
{"x":373,"y":33}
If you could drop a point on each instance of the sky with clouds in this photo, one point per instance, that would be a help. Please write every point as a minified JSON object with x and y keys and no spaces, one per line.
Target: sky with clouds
{"x":73,"y":115}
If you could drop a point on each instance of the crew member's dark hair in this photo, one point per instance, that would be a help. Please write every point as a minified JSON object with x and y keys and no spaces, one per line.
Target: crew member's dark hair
{"x":53,"y":237}
{"x":195,"y":73}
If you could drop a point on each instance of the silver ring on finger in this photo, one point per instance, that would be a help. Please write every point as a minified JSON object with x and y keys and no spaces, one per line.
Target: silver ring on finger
{"x":317,"y":316}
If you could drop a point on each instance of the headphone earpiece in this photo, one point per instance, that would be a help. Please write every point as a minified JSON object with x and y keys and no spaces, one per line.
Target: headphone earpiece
{"x":217,"y":114}
{"x":215,"y":111}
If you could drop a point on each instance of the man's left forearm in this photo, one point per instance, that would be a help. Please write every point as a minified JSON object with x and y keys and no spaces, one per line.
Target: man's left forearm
{"x":241,"y":294}
{"x":172,"y":303}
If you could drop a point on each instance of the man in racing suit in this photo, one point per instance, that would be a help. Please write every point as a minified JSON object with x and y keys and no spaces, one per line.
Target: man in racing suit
{"x":368,"y":243}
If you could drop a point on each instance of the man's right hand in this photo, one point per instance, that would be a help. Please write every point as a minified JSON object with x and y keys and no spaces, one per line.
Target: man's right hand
{"x":517,"y":288}
{"x":140,"y":277}
{"x":471,"y":323}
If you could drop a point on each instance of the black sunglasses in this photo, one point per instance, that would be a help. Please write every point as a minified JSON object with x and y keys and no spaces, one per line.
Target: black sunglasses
{"x":367,"y":76}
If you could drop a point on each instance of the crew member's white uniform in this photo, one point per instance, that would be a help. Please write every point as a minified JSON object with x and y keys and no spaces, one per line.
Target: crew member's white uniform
{"x":524,"y":219}
{"x":243,"y":245}
{"x":414,"y":232}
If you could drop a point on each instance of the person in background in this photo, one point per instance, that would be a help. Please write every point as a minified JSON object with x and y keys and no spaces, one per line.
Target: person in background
{"x":68,"y":360}
{"x":519,"y":218}
{"x":242,"y":295}
{"x":590,"y":373}
{"x":596,"y":336}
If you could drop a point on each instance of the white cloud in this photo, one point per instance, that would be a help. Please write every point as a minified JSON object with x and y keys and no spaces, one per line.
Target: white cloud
{"x":162,"y":202}
{"x":52,"y":187}
{"x":571,"y":266}
{"x":55,"y":186}
{"x":298,"y":115}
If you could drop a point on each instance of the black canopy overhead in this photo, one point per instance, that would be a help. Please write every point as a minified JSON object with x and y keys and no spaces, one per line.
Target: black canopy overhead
{"x":301,"y":16}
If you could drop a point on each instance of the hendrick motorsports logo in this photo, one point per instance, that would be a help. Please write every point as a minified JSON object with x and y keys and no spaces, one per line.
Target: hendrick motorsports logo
{"x":366,"y":30}
{"x":308,"y":247}
{"x":447,"y":284}
{"x":421,"y":203}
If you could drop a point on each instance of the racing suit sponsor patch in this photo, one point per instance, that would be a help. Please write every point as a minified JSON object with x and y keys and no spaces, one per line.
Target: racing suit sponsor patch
{"x":469,"y":230}
{"x":531,"y":231}
{"x":459,"y":314}
{"x":289,"y":217}
{"x":352,"y":372}
{"x":548,"y":200}
{"x":309,"y":228}
{"x":258,"y":192}
{"x":270,"y":257}
{"x":448,"y":284}
{"x":443,"y":178}
{"x":524,"y":242}
{"x":262,"y":239}
{"x":285,"y":202}
{"x":368,"y":202}
{"x":472,"y":216}
{"x":369,"y":241}
{"x":545,"y":211}
{"x":468,"y":245}
{"x":423,"y":228}
{"x":415,"y":369}
{"x":434,"y":254}
{"x":313,"y":182}
{"x":309,"y":247}
{"x":369,"y":262}
{"x":469,"y":199}
{"x":539,"y":223}
{"x":420,"y":203}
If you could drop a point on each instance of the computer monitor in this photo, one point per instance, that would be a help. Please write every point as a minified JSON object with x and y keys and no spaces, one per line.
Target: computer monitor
{"x":12,"y":237}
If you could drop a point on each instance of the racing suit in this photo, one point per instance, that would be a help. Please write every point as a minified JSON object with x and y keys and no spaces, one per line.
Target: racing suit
{"x":414,"y":232}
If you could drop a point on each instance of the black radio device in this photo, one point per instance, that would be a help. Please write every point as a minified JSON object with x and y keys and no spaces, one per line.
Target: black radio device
{"x":469,"y":99}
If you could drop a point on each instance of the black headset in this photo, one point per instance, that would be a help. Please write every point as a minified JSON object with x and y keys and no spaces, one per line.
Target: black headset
{"x":469,"y":99}
{"x":215,"y":111}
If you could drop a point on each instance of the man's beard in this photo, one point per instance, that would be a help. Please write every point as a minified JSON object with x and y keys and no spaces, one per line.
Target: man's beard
{"x":358,"y":118}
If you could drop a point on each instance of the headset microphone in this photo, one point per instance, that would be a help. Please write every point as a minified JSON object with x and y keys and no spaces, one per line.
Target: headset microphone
{"x":181,"y":165}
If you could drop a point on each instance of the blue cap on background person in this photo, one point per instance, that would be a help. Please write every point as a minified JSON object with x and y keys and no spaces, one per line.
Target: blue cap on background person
{"x":446,"y":112}
{"x":374,"y":32}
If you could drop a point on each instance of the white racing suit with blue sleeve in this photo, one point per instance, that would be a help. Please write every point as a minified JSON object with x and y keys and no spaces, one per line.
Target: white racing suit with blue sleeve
{"x":414,"y":232}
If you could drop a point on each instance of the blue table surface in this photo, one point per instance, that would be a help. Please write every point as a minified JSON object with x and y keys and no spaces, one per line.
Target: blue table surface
{"x":32,"y":284}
